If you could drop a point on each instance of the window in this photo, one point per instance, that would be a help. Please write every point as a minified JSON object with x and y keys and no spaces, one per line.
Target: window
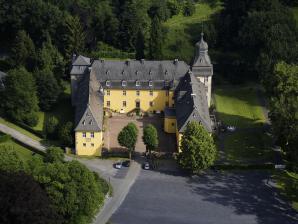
{"x":124,"y":103}
{"x":92,"y":134}
{"x":166,"y":83}
{"x":167,"y":104}
{"x":151,"y":93}
{"x":151,"y":104}
{"x":124,"y":93}
{"x":173,"y":124}
{"x":138,"y":92}
{"x":84,"y":122}
{"x":124,"y":83}
{"x":138,"y":83}
{"x":84,"y":144}
{"x":92,"y":144}
{"x":108,"y":93}
{"x":150,"y":83}
{"x":108,"y":103}
{"x":108,"y":83}
{"x":84,"y":134}
{"x":167,"y":93}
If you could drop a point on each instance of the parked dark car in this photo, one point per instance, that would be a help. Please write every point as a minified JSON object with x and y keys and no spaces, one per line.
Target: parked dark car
{"x":126,"y":163}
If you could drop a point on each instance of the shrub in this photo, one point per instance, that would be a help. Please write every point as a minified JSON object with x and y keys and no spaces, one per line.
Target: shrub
{"x":54,"y":154}
{"x":51,"y":126}
{"x":65,"y":134}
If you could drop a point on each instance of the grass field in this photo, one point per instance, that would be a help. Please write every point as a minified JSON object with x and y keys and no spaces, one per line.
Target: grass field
{"x":295,"y":11}
{"x":287,"y":182}
{"x":18,"y":128}
{"x":24,"y":153}
{"x":239,"y":106}
{"x":252,"y":147}
{"x":184,"y":32}
{"x":39,"y":126}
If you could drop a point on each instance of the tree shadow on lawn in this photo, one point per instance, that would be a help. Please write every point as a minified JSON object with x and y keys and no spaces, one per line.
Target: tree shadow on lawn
{"x":248,"y":193}
{"x":240,"y":122}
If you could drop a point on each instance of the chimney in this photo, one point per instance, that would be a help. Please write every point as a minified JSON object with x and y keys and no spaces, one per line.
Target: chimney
{"x":142,"y":61}
{"x":102,"y":60}
{"x":176,"y":61}
{"x":128,"y":62}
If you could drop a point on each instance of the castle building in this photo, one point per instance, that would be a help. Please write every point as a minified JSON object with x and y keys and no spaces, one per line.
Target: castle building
{"x":179,"y":91}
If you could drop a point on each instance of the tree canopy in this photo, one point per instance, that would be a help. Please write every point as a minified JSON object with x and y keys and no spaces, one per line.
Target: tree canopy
{"x":150,"y":137}
{"x":22,"y":200}
{"x":198,"y":151}
{"x":128,"y":136}
{"x":20,"y":101}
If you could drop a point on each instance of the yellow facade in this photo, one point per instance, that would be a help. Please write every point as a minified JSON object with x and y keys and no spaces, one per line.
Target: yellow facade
{"x":124,"y":101}
{"x":178,"y":138}
{"x":89,"y":143}
{"x":170,"y":125}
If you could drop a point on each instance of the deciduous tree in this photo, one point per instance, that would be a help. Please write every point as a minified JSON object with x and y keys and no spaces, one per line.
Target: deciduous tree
{"x":20,"y":100}
{"x":150,"y":137}
{"x":198,"y":151}
{"x":128,"y":137}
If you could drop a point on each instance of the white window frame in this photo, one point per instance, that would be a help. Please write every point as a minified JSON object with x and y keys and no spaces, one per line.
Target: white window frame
{"x":108,"y":83}
{"x":150,"y":83}
{"x":124,"y":83}
{"x":138,"y":83}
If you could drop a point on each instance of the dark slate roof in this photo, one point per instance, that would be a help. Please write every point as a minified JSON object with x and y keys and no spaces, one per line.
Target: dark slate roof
{"x":89,"y":110}
{"x":2,"y":76}
{"x":80,"y":65}
{"x":81,"y":60}
{"x":191,"y":103}
{"x":202,"y":64}
{"x":142,"y":70}
{"x":170,"y":112}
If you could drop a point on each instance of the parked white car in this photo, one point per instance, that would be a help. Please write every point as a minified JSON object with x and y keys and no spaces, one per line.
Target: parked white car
{"x":146,"y":166}
{"x":118,"y":165}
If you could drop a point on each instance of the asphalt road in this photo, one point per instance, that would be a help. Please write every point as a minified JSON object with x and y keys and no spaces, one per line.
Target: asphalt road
{"x":214,"y":198}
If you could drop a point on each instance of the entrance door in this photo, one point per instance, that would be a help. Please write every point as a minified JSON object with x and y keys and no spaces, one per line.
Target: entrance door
{"x":137,"y":104}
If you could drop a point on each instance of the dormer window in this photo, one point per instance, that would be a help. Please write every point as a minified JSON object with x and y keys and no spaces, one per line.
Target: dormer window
{"x":84,"y":122}
{"x":108,"y":83}
{"x":124,"y":83}
{"x":91,"y":122}
{"x":138,"y":83}
{"x":150,"y":83}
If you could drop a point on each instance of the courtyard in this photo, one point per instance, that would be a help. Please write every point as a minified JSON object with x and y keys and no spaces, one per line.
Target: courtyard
{"x":113,"y":125}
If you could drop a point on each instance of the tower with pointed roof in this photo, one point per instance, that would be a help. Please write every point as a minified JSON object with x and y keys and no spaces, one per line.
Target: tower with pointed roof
{"x":202,"y":67}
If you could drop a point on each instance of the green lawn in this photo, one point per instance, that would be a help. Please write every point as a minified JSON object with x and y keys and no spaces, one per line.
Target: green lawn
{"x":239,"y":106}
{"x":24,"y":153}
{"x":184,"y":32}
{"x":253,"y":147}
{"x":40,"y":125}
{"x":18,"y":128}
{"x":287,"y":182}
{"x":295,"y":11}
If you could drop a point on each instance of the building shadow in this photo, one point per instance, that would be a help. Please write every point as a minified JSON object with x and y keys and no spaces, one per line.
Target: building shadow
{"x":248,"y":192}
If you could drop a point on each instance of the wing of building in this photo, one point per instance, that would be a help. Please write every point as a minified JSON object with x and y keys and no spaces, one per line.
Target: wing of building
{"x":180,"y":91}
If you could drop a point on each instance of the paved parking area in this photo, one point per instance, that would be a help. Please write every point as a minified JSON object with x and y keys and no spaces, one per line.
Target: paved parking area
{"x":167,"y":142}
{"x":214,"y":198}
